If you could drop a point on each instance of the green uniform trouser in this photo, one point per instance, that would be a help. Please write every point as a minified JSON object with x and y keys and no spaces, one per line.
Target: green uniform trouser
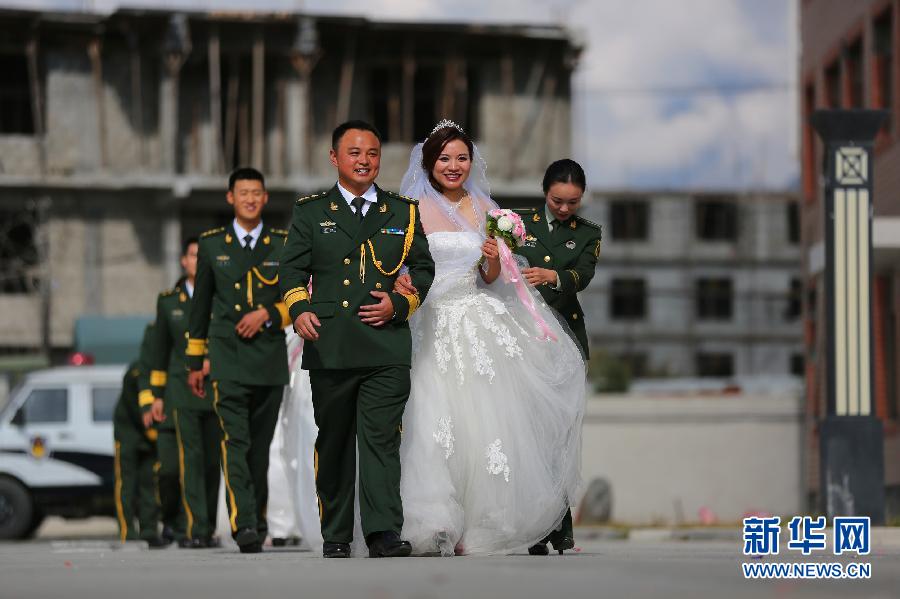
{"x":248,"y":415}
{"x":135,"y":488}
{"x":171,"y":508}
{"x":199,"y":435}
{"x":359,"y":408}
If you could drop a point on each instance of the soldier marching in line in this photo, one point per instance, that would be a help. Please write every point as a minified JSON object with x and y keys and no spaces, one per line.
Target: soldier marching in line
{"x":237,"y":313}
{"x":135,"y":458}
{"x":197,"y":430}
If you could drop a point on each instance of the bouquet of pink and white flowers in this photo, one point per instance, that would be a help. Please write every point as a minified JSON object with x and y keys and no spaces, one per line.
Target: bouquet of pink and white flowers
{"x":506,"y":225}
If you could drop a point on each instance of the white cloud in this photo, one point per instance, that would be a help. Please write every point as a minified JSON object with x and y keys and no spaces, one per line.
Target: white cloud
{"x":633,"y":138}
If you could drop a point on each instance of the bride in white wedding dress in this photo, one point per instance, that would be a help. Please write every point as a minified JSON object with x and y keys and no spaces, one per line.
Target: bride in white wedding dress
{"x":492,"y":430}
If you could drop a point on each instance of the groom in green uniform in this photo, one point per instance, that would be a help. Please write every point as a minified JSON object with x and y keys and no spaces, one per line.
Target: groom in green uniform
{"x":237,"y":311}
{"x":197,"y":429}
{"x":562,"y":250}
{"x":352,"y":241}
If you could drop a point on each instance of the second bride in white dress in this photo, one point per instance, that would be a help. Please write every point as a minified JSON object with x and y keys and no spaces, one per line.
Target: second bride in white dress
{"x":492,"y":431}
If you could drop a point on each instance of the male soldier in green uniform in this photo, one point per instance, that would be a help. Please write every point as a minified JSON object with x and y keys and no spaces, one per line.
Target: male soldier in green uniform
{"x":135,"y":457}
{"x":167,"y":475}
{"x":562,"y":250}
{"x":238,"y":307}
{"x":352,"y":241}
{"x":197,"y":429}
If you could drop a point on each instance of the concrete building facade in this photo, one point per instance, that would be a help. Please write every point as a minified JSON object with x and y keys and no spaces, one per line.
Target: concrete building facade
{"x":697,"y":284}
{"x":117,"y":133}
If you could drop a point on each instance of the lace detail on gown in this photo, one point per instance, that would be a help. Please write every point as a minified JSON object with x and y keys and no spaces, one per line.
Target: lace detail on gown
{"x":490,"y":450}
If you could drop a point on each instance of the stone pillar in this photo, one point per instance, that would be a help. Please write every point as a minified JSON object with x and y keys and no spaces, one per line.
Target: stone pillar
{"x":851,"y":441}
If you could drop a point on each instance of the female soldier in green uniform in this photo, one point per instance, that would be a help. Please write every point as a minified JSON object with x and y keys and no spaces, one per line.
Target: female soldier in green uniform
{"x":562,"y":250}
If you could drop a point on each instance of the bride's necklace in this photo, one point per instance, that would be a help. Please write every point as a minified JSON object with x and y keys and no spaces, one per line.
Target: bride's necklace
{"x":453,"y":208}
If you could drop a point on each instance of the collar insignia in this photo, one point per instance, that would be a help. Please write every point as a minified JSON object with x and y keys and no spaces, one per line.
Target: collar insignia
{"x":573,"y":224}
{"x":227,"y":237}
{"x":382,"y":208}
{"x":536,"y":218}
{"x":334,"y":207}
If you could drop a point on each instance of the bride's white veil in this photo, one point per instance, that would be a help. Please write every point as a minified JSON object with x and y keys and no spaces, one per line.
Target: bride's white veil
{"x":437,"y":212}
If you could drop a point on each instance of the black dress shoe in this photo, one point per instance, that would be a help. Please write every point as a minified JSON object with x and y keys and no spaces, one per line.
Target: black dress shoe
{"x":168,"y":534}
{"x":255,"y":547}
{"x":539,"y":549}
{"x":195,"y":543}
{"x":336,"y":550}
{"x":158,"y":543}
{"x":212,"y":542}
{"x":246,"y":536}
{"x":561,"y":542}
{"x":387,"y":544}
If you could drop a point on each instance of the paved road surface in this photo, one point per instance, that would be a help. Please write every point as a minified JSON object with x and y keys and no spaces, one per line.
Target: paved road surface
{"x":98,"y":568}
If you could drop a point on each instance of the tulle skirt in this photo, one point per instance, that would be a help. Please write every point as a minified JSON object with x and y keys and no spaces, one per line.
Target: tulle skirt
{"x":492,"y":432}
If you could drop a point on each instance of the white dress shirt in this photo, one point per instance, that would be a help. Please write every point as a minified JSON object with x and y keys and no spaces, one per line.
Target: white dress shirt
{"x":370,"y":196}
{"x":241,"y":233}
{"x":189,"y":288}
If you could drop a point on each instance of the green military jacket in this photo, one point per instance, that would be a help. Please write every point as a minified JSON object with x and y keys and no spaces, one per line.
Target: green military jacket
{"x":572,"y":251}
{"x":231,"y":281}
{"x":347,"y":260}
{"x":168,"y":369}
{"x":127,"y":418}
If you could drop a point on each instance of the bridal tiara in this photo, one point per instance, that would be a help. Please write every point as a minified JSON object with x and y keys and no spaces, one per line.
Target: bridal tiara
{"x":443,"y":124}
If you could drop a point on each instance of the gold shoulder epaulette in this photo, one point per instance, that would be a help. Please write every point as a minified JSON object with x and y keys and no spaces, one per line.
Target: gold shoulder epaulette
{"x":406,"y":199}
{"x":275,"y":231}
{"x":305,"y":199}
{"x":168,"y":292}
{"x":585,"y":221}
{"x":212,"y":232}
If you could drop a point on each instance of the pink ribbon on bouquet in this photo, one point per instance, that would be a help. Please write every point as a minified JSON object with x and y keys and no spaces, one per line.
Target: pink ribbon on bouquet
{"x":508,"y":264}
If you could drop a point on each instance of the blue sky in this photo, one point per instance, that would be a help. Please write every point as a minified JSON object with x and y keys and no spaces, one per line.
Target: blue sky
{"x":669,"y":93}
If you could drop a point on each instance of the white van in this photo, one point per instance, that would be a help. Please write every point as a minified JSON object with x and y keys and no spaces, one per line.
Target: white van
{"x":56,"y":447}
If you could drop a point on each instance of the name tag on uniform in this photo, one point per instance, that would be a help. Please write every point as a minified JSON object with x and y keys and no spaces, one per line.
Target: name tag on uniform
{"x":177,"y":313}
{"x":393,"y":232}
{"x":328,"y":226}
{"x":270,"y":263}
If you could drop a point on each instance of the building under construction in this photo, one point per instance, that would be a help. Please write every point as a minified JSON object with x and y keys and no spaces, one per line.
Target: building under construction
{"x":117,"y":133}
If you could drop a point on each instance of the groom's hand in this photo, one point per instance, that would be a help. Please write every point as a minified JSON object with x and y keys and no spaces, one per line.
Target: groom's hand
{"x":306,"y":324}
{"x":195,"y":383}
{"x":380,"y":313}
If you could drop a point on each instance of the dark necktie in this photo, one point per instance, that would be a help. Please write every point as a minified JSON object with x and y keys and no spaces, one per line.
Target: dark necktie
{"x":358,"y":204}
{"x":247,"y":239}
{"x":554,"y":224}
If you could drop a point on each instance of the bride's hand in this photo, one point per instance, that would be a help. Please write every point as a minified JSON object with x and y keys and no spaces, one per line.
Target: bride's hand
{"x":489,"y":250}
{"x":403,"y":285}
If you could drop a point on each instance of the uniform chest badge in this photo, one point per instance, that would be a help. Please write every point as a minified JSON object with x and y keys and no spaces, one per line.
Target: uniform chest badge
{"x":223,"y":260}
{"x":570,"y":244}
{"x":328,"y":226}
{"x":177,"y":313}
{"x":530,"y":241}
{"x":393,"y":231}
